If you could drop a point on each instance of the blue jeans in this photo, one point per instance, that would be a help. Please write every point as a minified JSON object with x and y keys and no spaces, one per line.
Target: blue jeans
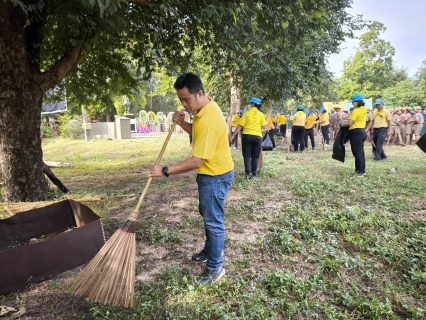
{"x":379,"y":137}
{"x":212,"y":192}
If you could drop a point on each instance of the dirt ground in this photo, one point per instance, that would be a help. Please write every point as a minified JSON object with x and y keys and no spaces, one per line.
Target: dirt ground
{"x":50,"y":300}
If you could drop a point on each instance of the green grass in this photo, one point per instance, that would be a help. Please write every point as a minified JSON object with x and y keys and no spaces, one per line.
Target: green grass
{"x":306,"y":241}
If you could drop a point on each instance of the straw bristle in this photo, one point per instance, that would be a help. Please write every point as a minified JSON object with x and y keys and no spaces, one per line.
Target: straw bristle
{"x":109,"y":277}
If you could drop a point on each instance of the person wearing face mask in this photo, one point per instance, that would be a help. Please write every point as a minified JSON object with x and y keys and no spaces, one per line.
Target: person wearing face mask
{"x":381,"y":129}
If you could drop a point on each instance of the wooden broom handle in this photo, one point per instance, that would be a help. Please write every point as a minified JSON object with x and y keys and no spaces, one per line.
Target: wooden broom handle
{"x":134,"y":213}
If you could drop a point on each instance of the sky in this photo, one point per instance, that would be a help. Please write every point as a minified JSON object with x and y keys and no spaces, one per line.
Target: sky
{"x":406,"y":31}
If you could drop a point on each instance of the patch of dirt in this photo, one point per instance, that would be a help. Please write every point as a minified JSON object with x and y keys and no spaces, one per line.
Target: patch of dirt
{"x":412,"y":216}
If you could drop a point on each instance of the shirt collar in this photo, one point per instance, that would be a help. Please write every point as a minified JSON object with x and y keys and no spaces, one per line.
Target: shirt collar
{"x":204,"y":109}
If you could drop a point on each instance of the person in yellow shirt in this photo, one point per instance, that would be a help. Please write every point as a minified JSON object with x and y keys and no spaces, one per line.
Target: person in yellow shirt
{"x":271,"y":129}
{"x":298,"y":121}
{"x":356,"y":123}
{"x":311,"y":120}
{"x":211,"y":159}
{"x":282,"y":122}
{"x":381,"y":128}
{"x":324,"y":121}
{"x":252,"y":122}
{"x":234,"y":124}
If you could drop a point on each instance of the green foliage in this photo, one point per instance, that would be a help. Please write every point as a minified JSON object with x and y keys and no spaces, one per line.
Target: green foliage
{"x":71,"y":126}
{"x":269,"y":48}
{"x":370,"y":70}
{"x":304,"y":241}
{"x":421,"y":82}
{"x":403,"y":93}
{"x":46,"y":131}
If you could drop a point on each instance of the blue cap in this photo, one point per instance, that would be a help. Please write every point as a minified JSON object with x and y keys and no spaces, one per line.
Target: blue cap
{"x":282,"y":112}
{"x":379,"y":101}
{"x":242,"y":111}
{"x":323,"y":109}
{"x":307,"y":112}
{"x":316,"y":110}
{"x":300,"y":107}
{"x":276,"y":111}
{"x":274,"y":114}
{"x":254,"y":100}
{"x":357,"y":97}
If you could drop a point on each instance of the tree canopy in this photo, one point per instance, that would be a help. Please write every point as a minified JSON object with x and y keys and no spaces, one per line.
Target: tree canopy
{"x":105,"y":48}
{"x":370,"y":70}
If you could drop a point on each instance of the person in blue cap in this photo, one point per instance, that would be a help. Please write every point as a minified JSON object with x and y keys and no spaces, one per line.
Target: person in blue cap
{"x":252,"y":122}
{"x":311,"y":120}
{"x":324,"y":121}
{"x":234,"y":124}
{"x":298,"y":121}
{"x":381,"y":129}
{"x":356,"y":123}
{"x":282,"y":121}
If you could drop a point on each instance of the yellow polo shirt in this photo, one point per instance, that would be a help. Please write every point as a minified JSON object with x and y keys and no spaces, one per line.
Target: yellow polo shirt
{"x":274,"y":119}
{"x":298,"y":119}
{"x":282,"y":120}
{"x":252,"y":122}
{"x":324,"y":117}
{"x":381,"y":118}
{"x":235,"y":120}
{"x":210,"y":141}
{"x":310,"y":121}
{"x":270,"y":124}
{"x":359,"y":116}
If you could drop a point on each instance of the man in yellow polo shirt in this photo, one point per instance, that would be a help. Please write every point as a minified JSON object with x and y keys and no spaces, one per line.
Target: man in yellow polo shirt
{"x":381,"y":128}
{"x":211,"y":159}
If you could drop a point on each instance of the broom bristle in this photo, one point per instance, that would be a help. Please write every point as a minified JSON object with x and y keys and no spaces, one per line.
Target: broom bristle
{"x":109,"y":277}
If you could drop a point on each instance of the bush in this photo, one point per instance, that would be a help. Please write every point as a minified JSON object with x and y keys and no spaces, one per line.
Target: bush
{"x":71,"y":126}
{"x":46,"y":131}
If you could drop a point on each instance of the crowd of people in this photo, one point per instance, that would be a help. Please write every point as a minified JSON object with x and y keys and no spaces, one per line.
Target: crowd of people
{"x":381,"y":126}
{"x":211,"y":156}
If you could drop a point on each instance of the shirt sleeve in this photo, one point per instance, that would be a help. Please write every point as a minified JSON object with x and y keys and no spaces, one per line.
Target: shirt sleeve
{"x":204,"y":146}
{"x":242,"y":120}
{"x":353,"y":115}
{"x":388,"y":118}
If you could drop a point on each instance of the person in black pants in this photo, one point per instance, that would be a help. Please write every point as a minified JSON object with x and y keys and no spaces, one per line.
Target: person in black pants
{"x":309,"y":128}
{"x":356,"y":123}
{"x":324,"y":120}
{"x":252,"y":123}
{"x":283,"y":127}
{"x":298,"y":121}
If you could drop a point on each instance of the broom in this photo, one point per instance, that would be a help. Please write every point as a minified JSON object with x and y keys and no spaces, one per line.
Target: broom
{"x":109,"y":277}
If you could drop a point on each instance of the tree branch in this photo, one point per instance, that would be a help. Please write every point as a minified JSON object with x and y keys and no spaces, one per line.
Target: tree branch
{"x":54,"y":75}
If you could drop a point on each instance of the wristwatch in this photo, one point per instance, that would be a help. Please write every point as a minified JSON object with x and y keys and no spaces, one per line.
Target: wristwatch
{"x":165,"y":171}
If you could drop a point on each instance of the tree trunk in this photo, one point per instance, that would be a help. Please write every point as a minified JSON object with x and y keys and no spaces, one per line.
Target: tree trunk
{"x":21,"y":95}
{"x":235,"y":103}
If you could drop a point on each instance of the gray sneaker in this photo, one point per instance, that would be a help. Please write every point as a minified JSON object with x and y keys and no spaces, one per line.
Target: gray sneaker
{"x":210,"y":276}
{"x":200,"y":257}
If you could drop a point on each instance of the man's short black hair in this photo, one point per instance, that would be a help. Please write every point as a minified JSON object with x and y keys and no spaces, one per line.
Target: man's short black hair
{"x":190,"y":81}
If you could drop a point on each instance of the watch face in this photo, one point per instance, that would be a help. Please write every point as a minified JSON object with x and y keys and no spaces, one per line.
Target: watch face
{"x":165,"y":171}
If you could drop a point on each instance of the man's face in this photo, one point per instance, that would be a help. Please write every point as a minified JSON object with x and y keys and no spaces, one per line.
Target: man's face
{"x":380,"y":107}
{"x":190,"y":101}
